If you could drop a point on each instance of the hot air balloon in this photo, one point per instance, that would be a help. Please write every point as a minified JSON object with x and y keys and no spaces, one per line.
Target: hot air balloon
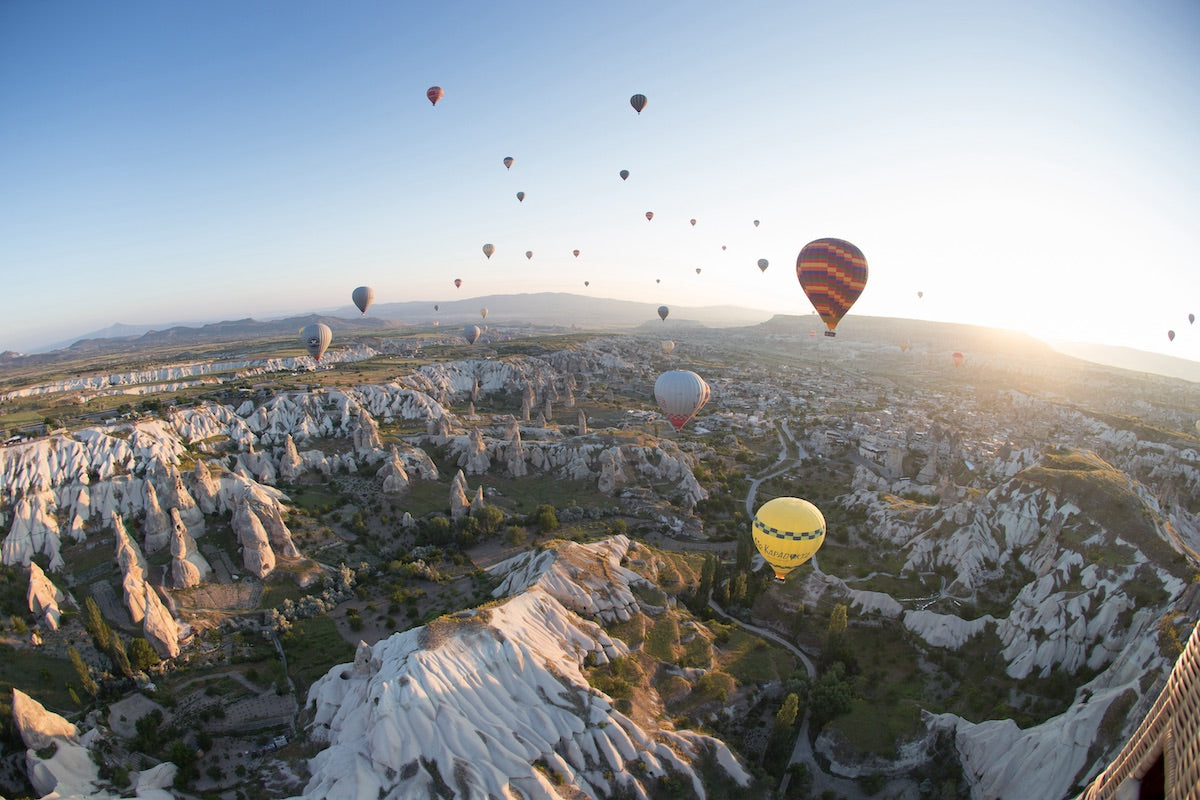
{"x":812,"y":334}
{"x":520,"y":197}
{"x":1171,"y":335}
{"x":624,"y":174}
{"x":436,"y":323}
{"x":680,"y":393}
{"x":904,"y":346}
{"x":788,"y":531}
{"x":575,"y":253}
{"x":508,"y":162}
{"x":693,"y":222}
{"x":1198,"y":426}
{"x":638,"y":101}
{"x":488,"y":249}
{"x":363,"y":296}
{"x":472,"y":333}
{"x":649,"y":215}
{"x":483,"y":313}
{"x":662,"y":313}
{"x":668,"y":346}
{"x":1191,"y":319}
{"x":920,"y":295}
{"x":762,"y":264}
{"x":722,"y":247}
{"x":658,"y":280}
{"x":756,"y":223}
{"x":587,"y":283}
{"x":434,"y":94}
{"x":959,"y":358}
{"x":436,"y":308}
{"x":832,"y":273}
{"x":458,"y":281}
{"x":529,"y":254}
{"x":697,"y":270}
{"x":316,"y":338}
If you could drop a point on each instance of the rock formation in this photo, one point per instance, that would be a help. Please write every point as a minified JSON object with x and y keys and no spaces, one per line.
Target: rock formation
{"x":188,"y":565}
{"x":395,"y":477}
{"x":366,"y":435}
{"x":291,"y":466}
{"x":45,"y":599}
{"x":459,"y":504}
{"x":474,"y":458}
{"x":257,"y":556}
{"x":156,"y":526}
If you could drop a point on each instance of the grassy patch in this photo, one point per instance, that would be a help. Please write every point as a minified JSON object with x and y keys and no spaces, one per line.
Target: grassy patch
{"x":869,"y":732}
{"x":43,"y":677}
{"x":751,"y":659}
{"x":312,"y":647}
{"x":662,"y":642}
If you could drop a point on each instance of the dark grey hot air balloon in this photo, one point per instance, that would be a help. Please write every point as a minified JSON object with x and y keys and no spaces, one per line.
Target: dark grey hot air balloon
{"x":316,"y":338}
{"x":363,"y":296}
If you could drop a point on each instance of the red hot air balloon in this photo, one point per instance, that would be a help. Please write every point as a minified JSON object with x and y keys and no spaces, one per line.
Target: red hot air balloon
{"x":638,"y":101}
{"x":434,"y":94}
{"x":649,"y":215}
{"x":508,"y":162}
{"x":832,"y":273}
{"x":959,"y":358}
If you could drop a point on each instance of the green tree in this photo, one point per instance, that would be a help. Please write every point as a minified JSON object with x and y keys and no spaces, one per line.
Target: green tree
{"x":546,"y":518}
{"x":837,"y":620}
{"x":785,"y":718}
{"x":490,"y":518}
{"x":116,"y":651}
{"x":85,"y":675}
{"x":830,"y":695}
{"x":141,"y":654}
{"x":95,"y":625}
{"x":745,"y":552}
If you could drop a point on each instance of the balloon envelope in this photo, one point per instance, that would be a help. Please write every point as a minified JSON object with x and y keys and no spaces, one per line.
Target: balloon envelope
{"x":756,"y":223}
{"x":638,"y":101}
{"x":1171,"y":335}
{"x":488,"y":249}
{"x":508,"y":162}
{"x":697,"y":270}
{"x":959,"y":358}
{"x":762,"y":264}
{"x":624,"y":174}
{"x":437,"y":308}
{"x":472,"y":333}
{"x":520,"y":197}
{"x":316,"y":338}
{"x":693,"y":222}
{"x":363,"y":296}
{"x":435,"y":93}
{"x":587,"y":283}
{"x":457,"y":282}
{"x":576,"y":253}
{"x":832,"y":273}
{"x":483,"y":313}
{"x":668,"y":346}
{"x":788,"y":531}
{"x":529,"y":254}
{"x":1191,"y":319}
{"x":680,"y":393}
{"x":649,"y":215}
{"x":663,"y":311}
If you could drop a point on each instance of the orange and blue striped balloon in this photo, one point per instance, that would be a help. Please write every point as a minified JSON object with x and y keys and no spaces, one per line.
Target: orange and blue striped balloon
{"x":832,"y":273}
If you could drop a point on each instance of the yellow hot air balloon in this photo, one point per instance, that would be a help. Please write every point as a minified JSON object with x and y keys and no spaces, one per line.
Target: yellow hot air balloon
{"x":788,"y":531}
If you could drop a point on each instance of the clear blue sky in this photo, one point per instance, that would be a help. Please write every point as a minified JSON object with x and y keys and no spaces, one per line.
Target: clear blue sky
{"x":1031,"y":165}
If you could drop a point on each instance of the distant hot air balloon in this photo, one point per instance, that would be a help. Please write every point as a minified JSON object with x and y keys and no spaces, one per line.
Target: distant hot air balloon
{"x":363,"y":296}
{"x":1191,"y":319}
{"x":697,"y":270}
{"x":920,"y":295}
{"x":587,"y":283}
{"x":904,"y":346}
{"x":529,"y":254}
{"x":762,"y":264}
{"x":788,"y":531}
{"x":508,"y":162}
{"x":662,"y":312}
{"x":624,"y":174}
{"x":658,"y":280}
{"x":756,"y":223}
{"x":520,"y":197}
{"x":832,"y":273}
{"x":483,"y":313}
{"x":488,"y":249}
{"x":812,"y":334}
{"x":436,"y":308}
{"x":472,"y":333}
{"x":436,"y":323}
{"x":668,"y":346}
{"x":458,"y":281}
{"x":959,"y":358}
{"x":316,"y":338}
{"x":434,"y":94}
{"x":638,"y":101}
{"x":722,"y":247}
{"x":1171,"y":335}
{"x":680,"y":393}
{"x":649,"y":215}
{"x":693,"y":222}
{"x":575,"y":253}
